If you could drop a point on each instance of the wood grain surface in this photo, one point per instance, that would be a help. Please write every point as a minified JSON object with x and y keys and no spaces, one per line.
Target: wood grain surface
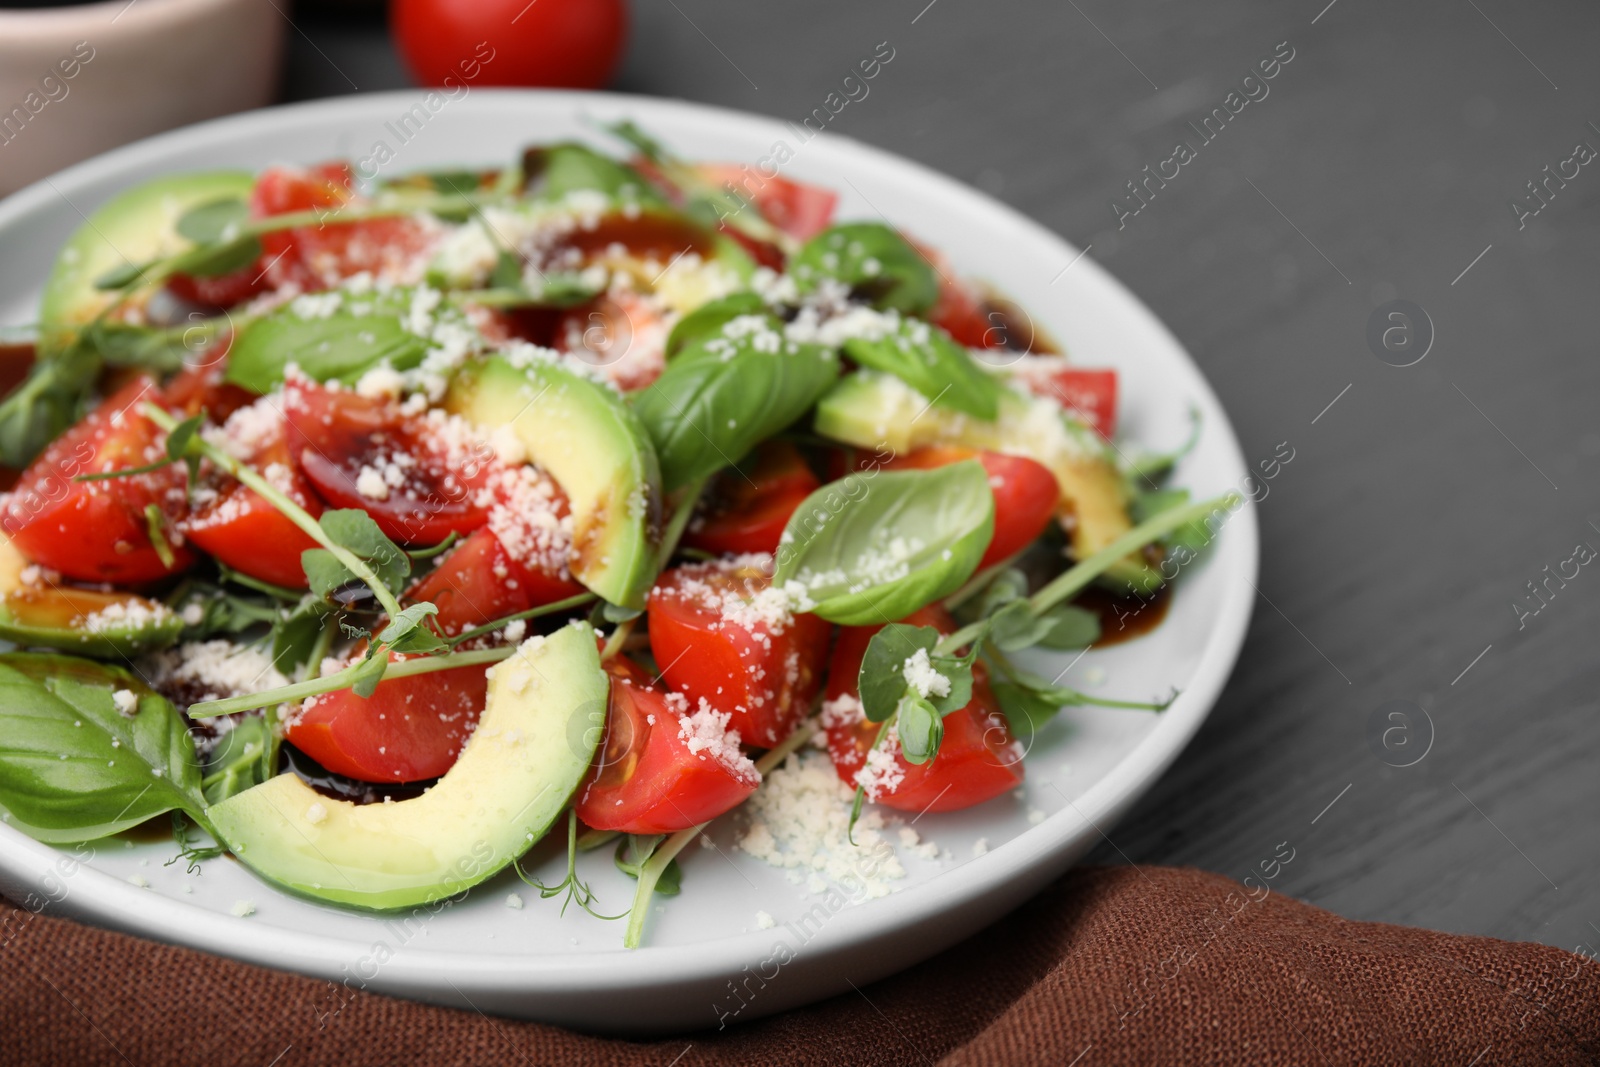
{"x":1381,"y":164}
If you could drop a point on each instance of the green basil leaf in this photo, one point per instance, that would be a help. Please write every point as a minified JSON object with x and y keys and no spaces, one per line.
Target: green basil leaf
{"x":45,"y":403}
{"x":709,"y":318}
{"x":1070,"y":627}
{"x":1026,"y":710}
{"x":1193,"y":536}
{"x":632,"y":853}
{"x":210,"y":260}
{"x":369,"y":674}
{"x":874,"y":261}
{"x":882,"y":680}
{"x":921,"y":728}
{"x":122,"y":276}
{"x":958,"y":671}
{"x":407,"y":632}
{"x":294,"y":639}
{"x":359,"y":334}
{"x":1014,"y":627}
{"x":929,"y":360}
{"x":73,"y":767}
{"x":727,"y":392}
{"x":553,"y":171}
{"x":236,"y":764}
{"x":210,"y":222}
{"x":355,"y":530}
{"x":877,"y":545}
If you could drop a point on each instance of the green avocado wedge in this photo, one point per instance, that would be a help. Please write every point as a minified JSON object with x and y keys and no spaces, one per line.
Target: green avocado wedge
{"x":532,"y":747}
{"x":873,"y":410}
{"x":87,"y":621}
{"x":582,"y":432}
{"x":134,"y":227}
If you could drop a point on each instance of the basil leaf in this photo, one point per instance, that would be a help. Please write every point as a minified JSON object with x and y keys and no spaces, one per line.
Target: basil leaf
{"x":210,"y":222}
{"x":210,"y":260}
{"x":368,"y":674}
{"x":295,"y":638}
{"x":882,"y":680}
{"x":727,"y":392}
{"x":45,"y":403}
{"x":957,"y":670}
{"x":1194,"y":536}
{"x":552,"y":171}
{"x":121,"y":277}
{"x":929,"y":360}
{"x":236,"y":764}
{"x":874,"y":261}
{"x":1026,"y":710}
{"x":709,"y":318}
{"x":406,"y":632}
{"x":72,"y":766}
{"x":358,"y":335}
{"x":355,"y":530}
{"x":878,"y":545}
{"x":632,"y":853}
{"x":1070,"y":627}
{"x":921,"y":728}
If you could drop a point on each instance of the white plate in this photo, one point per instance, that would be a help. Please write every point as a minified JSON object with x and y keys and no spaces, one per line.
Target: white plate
{"x":1084,"y":772}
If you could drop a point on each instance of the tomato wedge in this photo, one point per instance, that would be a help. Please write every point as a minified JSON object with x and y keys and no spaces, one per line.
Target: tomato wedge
{"x":1025,"y":494}
{"x":662,"y":766}
{"x":413,"y":728}
{"x":321,"y":255}
{"x":624,"y":336}
{"x":802,"y":211}
{"x":1088,"y":393}
{"x":721,"y":633}
{"x":99,"y":531}
{"x":976,"y":761}
{"x":235,"y":524}
{"x":419,"y":484}
{"x":747,"y":512}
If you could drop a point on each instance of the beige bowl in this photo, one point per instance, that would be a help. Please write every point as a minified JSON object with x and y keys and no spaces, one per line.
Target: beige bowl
{"x":75,"y":81}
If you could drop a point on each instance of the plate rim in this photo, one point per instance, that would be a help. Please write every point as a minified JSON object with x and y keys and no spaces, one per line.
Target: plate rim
{"x":106,"y":900}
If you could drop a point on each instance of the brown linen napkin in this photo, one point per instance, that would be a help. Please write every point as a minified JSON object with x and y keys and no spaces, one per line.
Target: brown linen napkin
{"x":1114,"y":965}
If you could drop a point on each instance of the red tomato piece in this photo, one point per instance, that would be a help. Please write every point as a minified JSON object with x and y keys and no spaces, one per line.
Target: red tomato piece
{"x":662,"y":767}
{"x":622,"y":335}
{"x":409,"y":730}
{"x":802,"y":211}
{"x":747,"y":512}
{"x":1089,"y":394}
{"x":98,"y":531}
{"x":220,"y":290}
{"x":562,"y":44}
{"x":977,"y":759}
{"x":320,"y":255}
{"x":1025,"y":494}
{"x":418,"y":483}
{"x":413,"y":728}
{"x":479,"y":581}
{"x":199,"y":388}
{"x":235,"y":524}
{"x":721,"y":633}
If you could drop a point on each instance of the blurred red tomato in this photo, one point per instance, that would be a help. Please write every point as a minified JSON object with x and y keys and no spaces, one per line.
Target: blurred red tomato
{"x":565,"y":44}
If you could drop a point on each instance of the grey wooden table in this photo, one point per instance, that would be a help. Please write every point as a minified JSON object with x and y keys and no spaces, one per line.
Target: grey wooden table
{"x":1381,"y":164}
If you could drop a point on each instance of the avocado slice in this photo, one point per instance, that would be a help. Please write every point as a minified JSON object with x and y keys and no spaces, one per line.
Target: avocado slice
{"x":139,"y":224}
{"x":596,"y":449}
{"x":872,"y":410}
{"x":532,"y":747}
{"x":87,"y":621}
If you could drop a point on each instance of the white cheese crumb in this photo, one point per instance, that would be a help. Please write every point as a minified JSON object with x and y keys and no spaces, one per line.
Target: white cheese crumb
{"x":316,"y":814}
{"x":138,"y":880}
{"x":127,"y":702}
{"x":514,"y":902}
{"x":980,"y":847}
{"x":243,"y":909}
{"x":370,"y":483}
{"x":765,"y":921}
{"x":921,"y":676}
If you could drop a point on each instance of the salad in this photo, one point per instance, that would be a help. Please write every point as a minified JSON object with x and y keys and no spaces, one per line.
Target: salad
{"x":373,"y":531}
